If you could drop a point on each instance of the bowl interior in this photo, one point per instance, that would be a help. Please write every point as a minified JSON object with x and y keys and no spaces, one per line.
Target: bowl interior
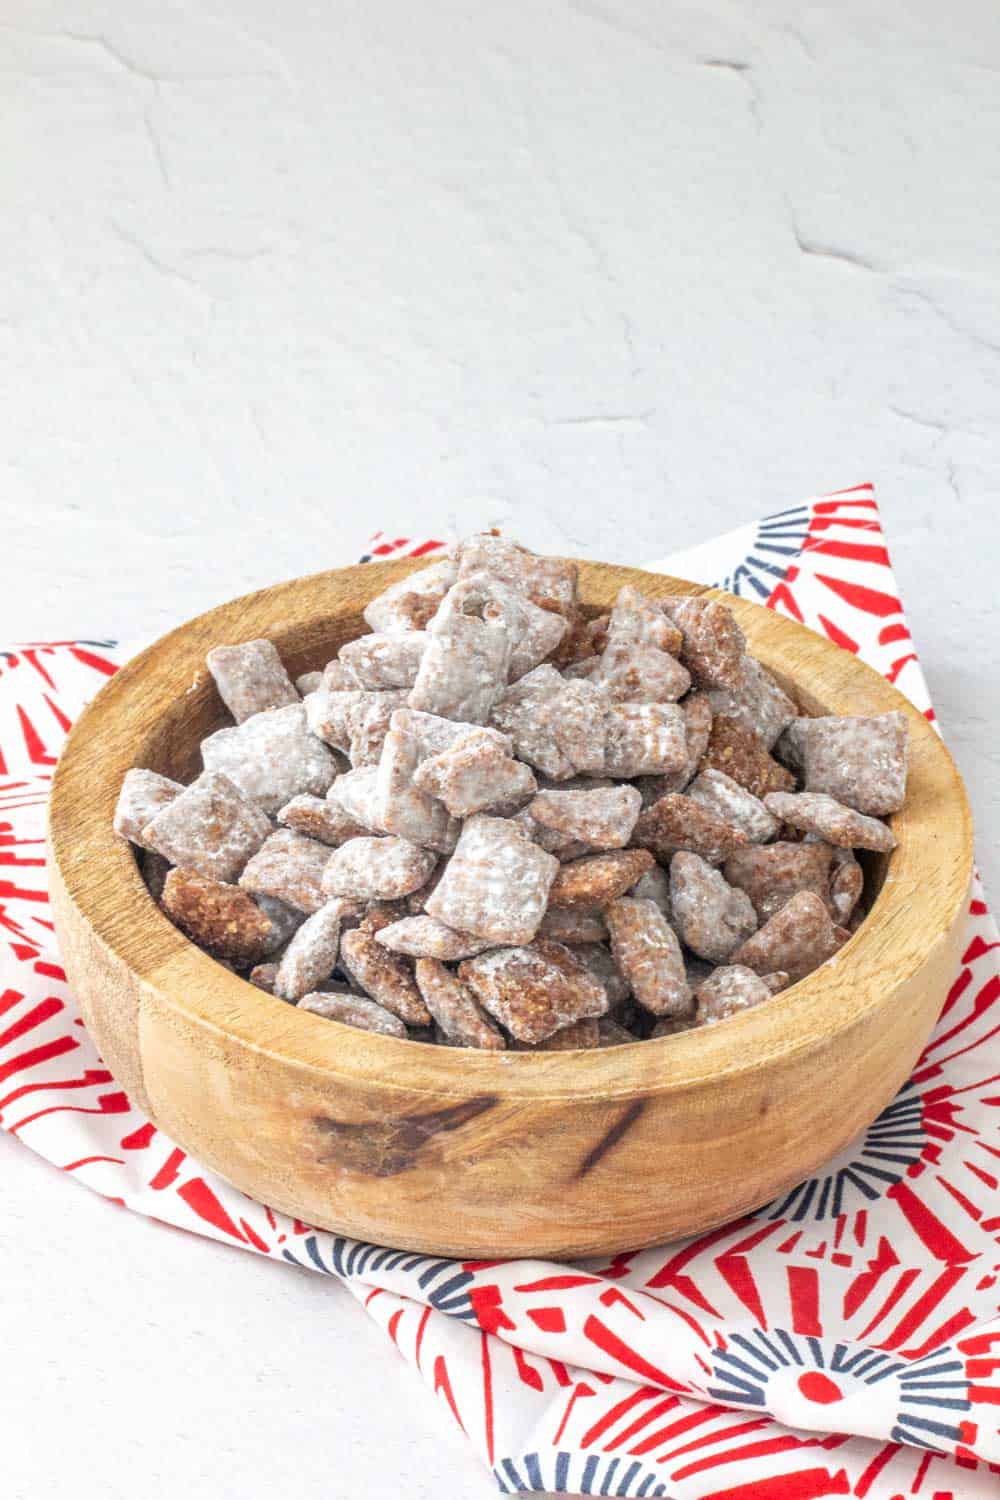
{"x":159,"y":707}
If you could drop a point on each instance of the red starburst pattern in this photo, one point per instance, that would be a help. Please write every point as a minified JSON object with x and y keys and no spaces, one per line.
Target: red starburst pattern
{"x":843,"y":1341}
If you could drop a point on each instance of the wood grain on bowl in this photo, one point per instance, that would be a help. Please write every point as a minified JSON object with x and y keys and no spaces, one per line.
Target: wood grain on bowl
{"x":471,"y":1153}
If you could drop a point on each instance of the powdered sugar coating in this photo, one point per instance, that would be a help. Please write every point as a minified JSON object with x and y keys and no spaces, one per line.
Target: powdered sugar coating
{"x":677,"y":822}
{"x":320,"y":818}
{"x":633,"y":673}
{"x":861,"y":761}
{"x":637,"y":620}
{"x":797,"y":939}
{"x":603,"y":819}
{"x":756,"y":701}
{"x":474,"y":775}
{"x":311,"y":956}
{"x":772,"y":873}
{"x":496,"y":883}
{"x":729,"y":990}
{"x":209,"y":827}
{"x":815,"y":812}
{"x":356,"y":794}
{"x":535,"y":990}
{"x":353,"y":1010}
{"x":271,"y":757}
{"x":645,"y":739}
{"x":377,"y":868}
{"x":400,"y":606}
{"x":143,"y":795}
{"x":590,"y":883}
{"x":290,"y":866}
{"x":711,"y":917}
{"x":454,"y":1009}
{"x":422,"y":936}
{"x":384,"y":976}
{"x":250,"y":678}
{"x":401,"y":807}
{"x":734,"y":804}
{"x":646,"y":951}
{"x":713,"y":645}
{"x":548,"y":581}
{"x":385,"y":659}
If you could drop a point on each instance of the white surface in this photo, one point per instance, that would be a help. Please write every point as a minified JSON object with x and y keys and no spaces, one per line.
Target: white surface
{"x":275,"y":274}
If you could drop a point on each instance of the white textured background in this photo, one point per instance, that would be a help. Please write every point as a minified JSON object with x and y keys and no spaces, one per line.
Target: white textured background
{"x":276,"y":272}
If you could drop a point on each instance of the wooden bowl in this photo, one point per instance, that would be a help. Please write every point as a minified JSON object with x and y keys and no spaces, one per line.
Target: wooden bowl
{"x":469,"y":1153}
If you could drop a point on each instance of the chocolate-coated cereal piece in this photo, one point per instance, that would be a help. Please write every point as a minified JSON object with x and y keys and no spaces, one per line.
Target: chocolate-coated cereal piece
{"x":250,"y":678}
{"x":860,"y":761}
{"x":262,"y":976}
{"x":597,"y":958}
{"x":335,"y":677}
{"x":654,"y":886}
{"x":713,"y":644}
{"x":562,"y":845}
{"x":535,"y":990}
{"x":220,"y":918}
{"x":410,"y":603}
{"x":644,"y":739}
{"x":309,"y":682}
{"x":797,"y":939}
{"x":630,"y":673}
{"x":611,"y":1034}
{"x":677,"y":821}
{"x":638,"y":620}
{"x":574,"y":926}
{"x":603,"y":819}
{"x":743,"y":755}
{"x":290,"y":866}
{"x":356,"y":794}
{"x":378,"y":915}
{"x":711,"y":917}
{"x":673,"y":1026}
{"x":554,"y":725}
{"x":353,"y":1010}
{"x":646,"y":951}
{"x":475,"y":774}
{"x":591,"y":883}
{"x":209,"y":827}
{"x":320,"y":818}
{"x":727,"y":991}
{"x":580,"y":1036}
{"x":549,"y":582}
{"x":847,"y":881}
{"x":777,"y":981}
{"x":735,"y":805}
{"x":422,"y":936}
{"x":401,"y":807}
{"x":496,"y":883}
{"x":815,"y":812}
{"x":271,"y":757}
{"x":143,"y":795}
{"x":311,"y":956}
{"x":385,"y":659}
{"x":378,"y":868}
{"x":285,"y":920}
{"x":756,"y":701}
{"x":464,"y":667}
{"x":772,"y":873}
{"x":384,"y":976}
{"x":451,"y":1004}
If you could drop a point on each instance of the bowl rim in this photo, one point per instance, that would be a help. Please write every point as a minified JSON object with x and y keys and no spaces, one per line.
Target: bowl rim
{"x":922,"y":896}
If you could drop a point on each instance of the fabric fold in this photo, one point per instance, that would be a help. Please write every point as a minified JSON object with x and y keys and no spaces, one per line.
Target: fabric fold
{"x":843,"y":1340}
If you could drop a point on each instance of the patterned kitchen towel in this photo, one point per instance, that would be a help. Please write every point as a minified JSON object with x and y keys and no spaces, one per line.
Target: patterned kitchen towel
{"x":842,"y":1341}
